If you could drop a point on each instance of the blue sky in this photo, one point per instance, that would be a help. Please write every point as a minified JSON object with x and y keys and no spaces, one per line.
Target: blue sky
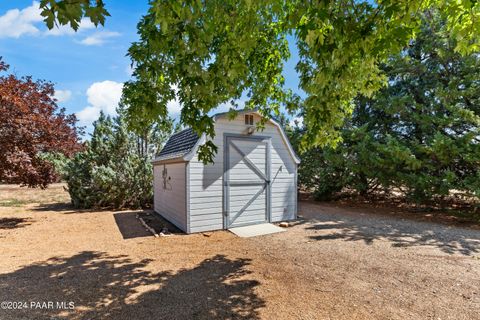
{"x":87,"y":67}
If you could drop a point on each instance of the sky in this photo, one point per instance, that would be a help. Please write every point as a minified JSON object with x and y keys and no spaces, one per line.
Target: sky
{"x":87,"y":67}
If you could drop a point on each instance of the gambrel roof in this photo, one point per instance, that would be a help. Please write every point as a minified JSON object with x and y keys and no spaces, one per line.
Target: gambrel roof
{"x":182,"y":145}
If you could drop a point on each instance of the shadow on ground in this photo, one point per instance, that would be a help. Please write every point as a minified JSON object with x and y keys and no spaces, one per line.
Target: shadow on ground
{"x":12,"y":223}
{"x":129,"y":226}
{"x":105,"y":286}
{"x":63,"y":207}
{"x":332,"y":224}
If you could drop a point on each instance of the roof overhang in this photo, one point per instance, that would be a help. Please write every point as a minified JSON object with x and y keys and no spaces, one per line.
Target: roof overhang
{"x":166,"y":161}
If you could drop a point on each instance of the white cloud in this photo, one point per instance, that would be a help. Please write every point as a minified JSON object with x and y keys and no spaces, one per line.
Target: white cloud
{"x":15,"y":23}
{"x":88,"y":115}
{"x":296,"y":122}
{"x":99,"y":38}
{"x":62,"y":95}
{"x":102,"y":96}
{"x":174,"y":108}
{"x":105,"y":95}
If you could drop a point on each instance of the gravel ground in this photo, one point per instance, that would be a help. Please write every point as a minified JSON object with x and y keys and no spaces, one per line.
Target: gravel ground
{"x":335,"y":263}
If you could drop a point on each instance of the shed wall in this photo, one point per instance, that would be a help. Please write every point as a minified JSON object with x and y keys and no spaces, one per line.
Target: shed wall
{"x":170,"y":200}
{"x":206,"y":181}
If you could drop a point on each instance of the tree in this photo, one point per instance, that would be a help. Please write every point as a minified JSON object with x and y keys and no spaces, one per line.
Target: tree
{"x":149,"y":128}
{"x":207,"y":53}
{"x":115,"y":169}
{"x":425,"y":125}
{"x":31,"y":125}
{"x":213,"y":52}
{"x":420,"y":134}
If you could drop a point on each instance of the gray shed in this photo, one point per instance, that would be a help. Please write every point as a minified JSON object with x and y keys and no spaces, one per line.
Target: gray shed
{"x":253,"y":178}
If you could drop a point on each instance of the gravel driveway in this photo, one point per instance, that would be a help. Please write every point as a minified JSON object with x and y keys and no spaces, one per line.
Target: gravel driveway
{"x":336,"y":263}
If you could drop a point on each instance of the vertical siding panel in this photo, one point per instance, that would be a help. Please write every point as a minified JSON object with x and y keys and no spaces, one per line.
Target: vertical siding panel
{"x":171,"y":202}
{"x":204,"y":181}
{"x":187,"y":196}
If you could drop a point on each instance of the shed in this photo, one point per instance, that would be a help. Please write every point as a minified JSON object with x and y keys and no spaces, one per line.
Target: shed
{"x":253,"y":178}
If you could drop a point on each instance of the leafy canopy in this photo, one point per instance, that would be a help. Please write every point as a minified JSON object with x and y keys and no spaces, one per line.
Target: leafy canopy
{"x":71,"y":12}
{"x":211,"y":52}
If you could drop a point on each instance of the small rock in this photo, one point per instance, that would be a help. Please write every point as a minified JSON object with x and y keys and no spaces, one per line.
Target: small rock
{"x":161,"y":234}
{"x":284,"y":224}
{"x":206,"y":234}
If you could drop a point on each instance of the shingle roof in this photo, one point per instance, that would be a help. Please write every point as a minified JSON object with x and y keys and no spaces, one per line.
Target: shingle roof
{"x":178,"y":145}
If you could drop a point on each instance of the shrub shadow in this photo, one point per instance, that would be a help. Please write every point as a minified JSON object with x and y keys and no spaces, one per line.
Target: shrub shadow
{"x":106,"y":286}
{"x":12,"y":223}
{"x":66,"y":208}
{"x":62,"y":207}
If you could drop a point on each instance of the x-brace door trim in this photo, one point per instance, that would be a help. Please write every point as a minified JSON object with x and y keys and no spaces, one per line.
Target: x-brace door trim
{"x":228,"y":137}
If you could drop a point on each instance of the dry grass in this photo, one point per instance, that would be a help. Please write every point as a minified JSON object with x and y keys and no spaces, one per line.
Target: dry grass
{"x":15,"y":196}
{"x":13,"y":203}
{"x":337,"y":263}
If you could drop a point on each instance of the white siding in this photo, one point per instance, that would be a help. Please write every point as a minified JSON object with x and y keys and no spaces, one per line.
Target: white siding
{"x":170,"y":201}
{"x":206,"y":182}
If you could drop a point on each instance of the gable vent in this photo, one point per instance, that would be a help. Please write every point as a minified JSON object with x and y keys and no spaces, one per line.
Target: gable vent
{"x":249,"y":119}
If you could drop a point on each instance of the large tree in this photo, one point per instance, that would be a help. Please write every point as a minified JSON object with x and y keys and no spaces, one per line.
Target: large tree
{"x":215,"y":51}
{"x":421,"y":134}
{"x":31,"y":126}
{"x":207,"y":53}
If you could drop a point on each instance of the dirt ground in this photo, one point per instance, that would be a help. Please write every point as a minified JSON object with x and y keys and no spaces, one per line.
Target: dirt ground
{"x":335,"y":263}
